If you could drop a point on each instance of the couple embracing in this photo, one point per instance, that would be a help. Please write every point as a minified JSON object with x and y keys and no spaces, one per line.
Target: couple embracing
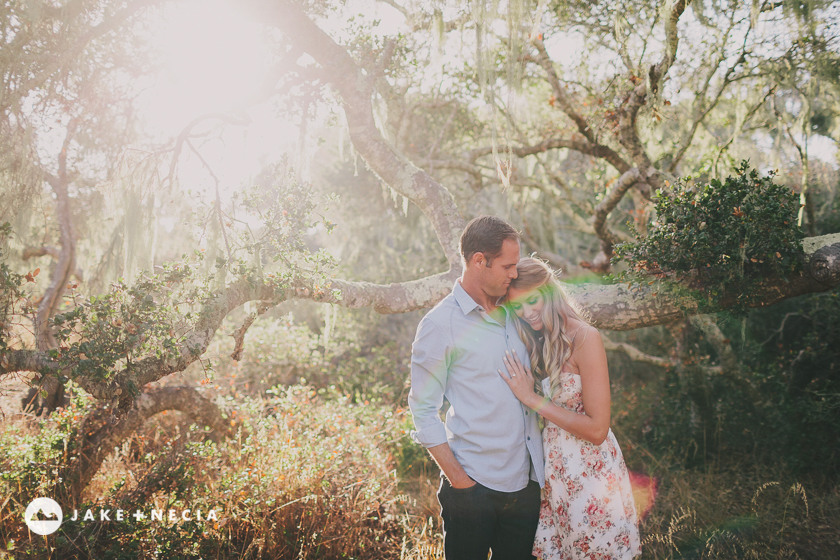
{"x":507,"y":353}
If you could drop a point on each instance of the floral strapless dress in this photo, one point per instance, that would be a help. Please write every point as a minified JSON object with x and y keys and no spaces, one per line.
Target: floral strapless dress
{"x":587,"y":509}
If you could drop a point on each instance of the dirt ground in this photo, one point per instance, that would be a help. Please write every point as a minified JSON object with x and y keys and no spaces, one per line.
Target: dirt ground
{"x":12,"y":389}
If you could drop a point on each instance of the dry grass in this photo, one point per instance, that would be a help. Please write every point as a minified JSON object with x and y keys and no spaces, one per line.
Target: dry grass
{"x":309,"y":477}
{"x":742,"y":515}
{"x":316,"y":476}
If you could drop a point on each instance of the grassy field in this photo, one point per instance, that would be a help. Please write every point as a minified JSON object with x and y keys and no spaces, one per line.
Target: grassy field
{"x":312,"y":473}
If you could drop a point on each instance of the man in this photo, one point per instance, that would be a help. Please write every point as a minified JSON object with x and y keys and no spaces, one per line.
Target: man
{"x":489,"y":449}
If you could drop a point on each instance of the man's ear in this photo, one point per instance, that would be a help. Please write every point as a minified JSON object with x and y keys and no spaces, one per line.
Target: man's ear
{"x":478,"y":259}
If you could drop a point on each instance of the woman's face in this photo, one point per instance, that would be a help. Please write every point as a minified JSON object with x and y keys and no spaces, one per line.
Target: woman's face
{"x":528,"y":306}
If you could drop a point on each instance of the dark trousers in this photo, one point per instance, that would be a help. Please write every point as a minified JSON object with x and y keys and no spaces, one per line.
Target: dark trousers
{"x":477,"y":520}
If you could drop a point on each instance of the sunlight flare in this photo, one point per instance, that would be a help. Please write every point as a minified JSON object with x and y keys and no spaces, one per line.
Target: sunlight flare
{"x":212,"y":57}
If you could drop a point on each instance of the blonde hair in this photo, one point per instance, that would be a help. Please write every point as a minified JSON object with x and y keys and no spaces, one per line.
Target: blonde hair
{"x":549,"y":352}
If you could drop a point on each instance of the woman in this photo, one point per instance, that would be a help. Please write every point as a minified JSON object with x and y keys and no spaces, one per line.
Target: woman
{"x":587,"y":508}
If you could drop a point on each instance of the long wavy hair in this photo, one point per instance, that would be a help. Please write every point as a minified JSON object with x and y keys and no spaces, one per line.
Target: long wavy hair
{"x":550,"y":348}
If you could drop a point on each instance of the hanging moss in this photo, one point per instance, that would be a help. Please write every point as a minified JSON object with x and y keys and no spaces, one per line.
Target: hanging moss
{"x":501,"y":58}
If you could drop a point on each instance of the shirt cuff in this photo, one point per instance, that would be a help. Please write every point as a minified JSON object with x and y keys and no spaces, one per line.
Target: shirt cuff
{"x":430,"y":436}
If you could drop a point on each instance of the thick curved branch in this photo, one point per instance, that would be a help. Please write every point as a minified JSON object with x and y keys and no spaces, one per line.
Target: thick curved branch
{"x":658,"y":71}
{"x":54,"y":252}
{"x":711,"y":332}
{"x":576,"y":143}
{"x":566,"y":104}
{"x":621,"y":307}
{"x":824,"y":262}
{"x":628,"y":112}
{"x":628,"y":135}
{"x":66,"y":259}
{"x":32,"y":252}
{"x":391,"y":298}
{"x":608,"y":204}
{"x":99,"y":433}
{"x":635,"y":354}
{"x":356,"y":92}
{"x":614,"y":307}
{"x":239,"y":334}
{"x":195,"y":344}
{"x":12,"y":361}
{"x":608,"y":239}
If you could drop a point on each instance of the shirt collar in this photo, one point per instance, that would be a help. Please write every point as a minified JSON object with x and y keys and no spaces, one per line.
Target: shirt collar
{"x":466,"y":302}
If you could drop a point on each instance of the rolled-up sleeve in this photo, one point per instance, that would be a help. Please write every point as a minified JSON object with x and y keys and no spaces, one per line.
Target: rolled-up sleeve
{"x":429,"y":372}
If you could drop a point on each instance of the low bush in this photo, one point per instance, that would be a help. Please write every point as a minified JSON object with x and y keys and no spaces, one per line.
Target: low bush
{"x":308,"y":475}
{"x":720,"y":238}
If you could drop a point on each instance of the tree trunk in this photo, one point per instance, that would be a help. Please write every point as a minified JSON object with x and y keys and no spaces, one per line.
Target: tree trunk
{"x":101,"y":430}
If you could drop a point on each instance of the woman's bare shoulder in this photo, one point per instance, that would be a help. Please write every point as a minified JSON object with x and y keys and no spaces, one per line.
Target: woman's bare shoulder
{"x":579,"y":332}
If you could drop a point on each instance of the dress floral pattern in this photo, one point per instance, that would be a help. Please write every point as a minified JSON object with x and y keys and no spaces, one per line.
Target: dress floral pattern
{"x":587,"y":509}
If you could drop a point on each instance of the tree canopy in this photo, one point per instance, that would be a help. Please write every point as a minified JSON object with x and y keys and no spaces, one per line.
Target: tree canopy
{"x":125,"y":252}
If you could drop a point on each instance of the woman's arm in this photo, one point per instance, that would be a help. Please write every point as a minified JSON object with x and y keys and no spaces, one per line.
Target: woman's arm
{"x":591,"y":359}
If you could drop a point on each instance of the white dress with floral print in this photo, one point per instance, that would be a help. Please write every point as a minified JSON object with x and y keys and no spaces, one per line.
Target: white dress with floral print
{"x":587,"y":509}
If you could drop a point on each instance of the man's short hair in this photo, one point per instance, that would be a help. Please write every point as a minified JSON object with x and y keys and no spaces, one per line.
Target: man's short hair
{"x":486,"y":234}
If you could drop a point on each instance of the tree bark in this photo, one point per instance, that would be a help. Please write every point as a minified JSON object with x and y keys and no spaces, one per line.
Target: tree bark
{"x":49,"y":393}
{"x":618,"y":307}
{"x":356,"y":91}
{"x":621,"y":307}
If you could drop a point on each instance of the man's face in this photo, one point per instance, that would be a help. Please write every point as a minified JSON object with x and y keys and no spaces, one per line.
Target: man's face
{"x":496,"y":278}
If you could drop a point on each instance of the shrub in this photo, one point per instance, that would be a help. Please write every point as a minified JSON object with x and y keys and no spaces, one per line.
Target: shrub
{"x":280,"y":350}
{"x":10,"y":290}
{"x":310,"y":475}
{"x":725,"y":516}
{"x":721,"y":238}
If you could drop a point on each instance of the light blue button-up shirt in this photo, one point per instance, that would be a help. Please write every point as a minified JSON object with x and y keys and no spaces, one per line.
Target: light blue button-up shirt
{"x":456,"y":355}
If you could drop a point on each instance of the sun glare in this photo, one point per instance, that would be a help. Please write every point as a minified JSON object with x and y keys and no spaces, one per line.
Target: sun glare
{"x":211,"y":57}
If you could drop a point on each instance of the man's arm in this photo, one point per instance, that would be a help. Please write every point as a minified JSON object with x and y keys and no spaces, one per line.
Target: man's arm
{"x":452,"y":469}
{"x":429,"y":371}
